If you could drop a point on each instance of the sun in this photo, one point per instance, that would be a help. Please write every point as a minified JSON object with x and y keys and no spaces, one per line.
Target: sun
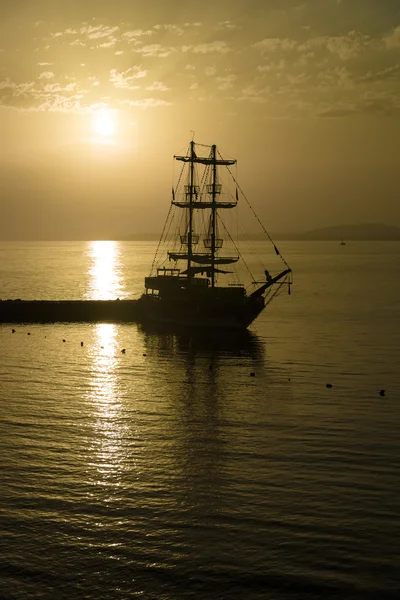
{"x":103,"y":122}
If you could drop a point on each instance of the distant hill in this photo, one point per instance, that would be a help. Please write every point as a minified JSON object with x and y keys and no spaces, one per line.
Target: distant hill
{"x":360,"y":232}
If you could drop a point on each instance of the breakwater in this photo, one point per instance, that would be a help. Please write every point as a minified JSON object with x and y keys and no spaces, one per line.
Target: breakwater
{"x":52,"y":311}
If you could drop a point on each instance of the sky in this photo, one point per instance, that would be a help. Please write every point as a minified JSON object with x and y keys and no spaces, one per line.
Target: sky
{"x":96,"y":97}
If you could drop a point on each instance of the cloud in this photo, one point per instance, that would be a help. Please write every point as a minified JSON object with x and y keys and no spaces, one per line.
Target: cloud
{"x":96,"y":32}
{"x":132,"y":36}
{"x":385,"y":107}
{"x":229,"y":25}
{"x":171,"y":28}
{"x":77,"y":42}
{"x":345,"y":46}
{"x":209,"y":71}
{"x":46,"y":75}
{"x":156,"y":50}
{"x":124,"y":79}
{"x":272,"y":66}
{"x":254,"y":95}
{"x":108,"y":44}
{"x":59,"y":103}
{"x":324,"y":75}
{"x":275,"y":44}
{"x":158,"y":86}
{"x":104,"y":35}
{"x":211,"y":47}
{"x":17,"y":89}
{"x":146,"y":102}
{"x":268,"y":64}
{"x":385,"y":74}
{"x":49,"y":96}
{"x":56,"y":87}
{"x":337,"y":77}
{"x":334,"y":113}
{"x":392,"y":39}
{"x":226,"y":82}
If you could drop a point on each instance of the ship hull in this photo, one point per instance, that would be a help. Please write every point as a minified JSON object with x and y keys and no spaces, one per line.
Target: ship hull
{"x":212,"y":314}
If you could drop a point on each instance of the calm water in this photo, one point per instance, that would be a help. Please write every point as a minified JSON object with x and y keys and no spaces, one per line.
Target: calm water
{"x":168,"y":472}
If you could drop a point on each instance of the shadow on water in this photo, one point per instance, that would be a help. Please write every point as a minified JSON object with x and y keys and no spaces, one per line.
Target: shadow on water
{"x":197,"y":376}
{"x":203,"y":342}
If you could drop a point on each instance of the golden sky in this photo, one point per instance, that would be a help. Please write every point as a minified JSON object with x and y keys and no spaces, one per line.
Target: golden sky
{"x":96,"y":97}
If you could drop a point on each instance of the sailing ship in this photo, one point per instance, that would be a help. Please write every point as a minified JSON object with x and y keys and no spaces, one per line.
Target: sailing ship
{"x":188,"y":284}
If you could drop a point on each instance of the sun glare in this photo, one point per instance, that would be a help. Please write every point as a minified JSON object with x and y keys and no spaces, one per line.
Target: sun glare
{"x":103,"y":122}
{"x":105,"y":281}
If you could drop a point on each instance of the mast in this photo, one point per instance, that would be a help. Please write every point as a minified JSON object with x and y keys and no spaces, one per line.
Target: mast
{"x":197,"y":262}
{"x":213,"y":213}
{"x":190,"y":232}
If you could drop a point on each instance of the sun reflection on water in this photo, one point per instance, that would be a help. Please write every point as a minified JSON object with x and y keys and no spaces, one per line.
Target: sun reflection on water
{"x":106,"y":461}
{"x":106,"y":279}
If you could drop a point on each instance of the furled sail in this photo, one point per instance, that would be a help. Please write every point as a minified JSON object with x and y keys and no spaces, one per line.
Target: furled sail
{"x":206,"y":160}
{"x":200,"y":204}
{"x":207,"y":269}
{"x":203,"y":259}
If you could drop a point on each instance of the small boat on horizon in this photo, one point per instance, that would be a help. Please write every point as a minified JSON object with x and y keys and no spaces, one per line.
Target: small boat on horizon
{"x":188,"y":283}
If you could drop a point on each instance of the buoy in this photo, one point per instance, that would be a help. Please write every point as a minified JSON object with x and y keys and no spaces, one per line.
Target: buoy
{"x":328,"y":385}
{"x":144,"y":354}
{"x":63,"y":340}
{"x":382,"y":393}
{"x":123,"y":350}
{"x":252,"y":374}
{"x":28,"y":333}
{"x":12,"y":330}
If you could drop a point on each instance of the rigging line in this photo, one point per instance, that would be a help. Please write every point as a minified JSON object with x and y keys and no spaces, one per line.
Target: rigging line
{"x":203,"y":145}
{"x":206,"y":171}
{"x":256,"y":216}
{"x":204,"y":176}
{"x":236,"y":248}
{"x":182,"y":170}
{"x":277,"y":292}
{"x":243,"y":234}
{"x":203,"y":182}
{"x":168,"y":235}
{"x":161,"y":237}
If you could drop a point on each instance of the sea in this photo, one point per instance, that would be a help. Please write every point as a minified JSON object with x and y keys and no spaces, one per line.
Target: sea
{"x":161,"y":465}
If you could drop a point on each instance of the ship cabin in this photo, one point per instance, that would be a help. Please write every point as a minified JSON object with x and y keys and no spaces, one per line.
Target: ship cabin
{"x":171,"y":280}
